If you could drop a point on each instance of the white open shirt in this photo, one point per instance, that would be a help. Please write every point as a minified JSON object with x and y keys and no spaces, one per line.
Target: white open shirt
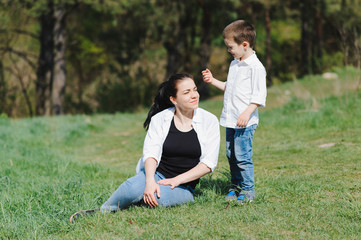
{"x":204,"y":123}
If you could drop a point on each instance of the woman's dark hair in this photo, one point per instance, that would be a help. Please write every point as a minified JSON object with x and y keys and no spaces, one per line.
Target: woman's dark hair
{"x":165,"y":91}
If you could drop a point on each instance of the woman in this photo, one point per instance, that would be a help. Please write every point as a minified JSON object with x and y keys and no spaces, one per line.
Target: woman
{"x":181,"y":146}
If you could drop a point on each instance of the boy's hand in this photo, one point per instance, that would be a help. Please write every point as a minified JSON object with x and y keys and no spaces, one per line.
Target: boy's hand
{"x":207,"y":76}
{"x":243,"y":119}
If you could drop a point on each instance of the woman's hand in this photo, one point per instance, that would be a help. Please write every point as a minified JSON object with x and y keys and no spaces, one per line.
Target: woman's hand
{"x":148,"y":196}
{"x":173,"y":182}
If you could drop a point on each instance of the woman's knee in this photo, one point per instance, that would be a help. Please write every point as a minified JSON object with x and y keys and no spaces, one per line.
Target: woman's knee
{"x":172,"y":197}
{"x":127,"y":193}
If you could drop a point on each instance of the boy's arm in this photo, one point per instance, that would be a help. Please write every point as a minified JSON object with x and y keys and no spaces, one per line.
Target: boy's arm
{"x":244,"y":117}
{"x":208,"y":78}
{"x":258,"y":98}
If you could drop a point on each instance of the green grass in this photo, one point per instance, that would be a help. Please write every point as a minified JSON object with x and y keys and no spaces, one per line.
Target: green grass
{"x":52,"y":167}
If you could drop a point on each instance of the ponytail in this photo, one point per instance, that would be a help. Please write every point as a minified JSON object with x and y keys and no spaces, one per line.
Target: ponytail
{"x":162,"y":99}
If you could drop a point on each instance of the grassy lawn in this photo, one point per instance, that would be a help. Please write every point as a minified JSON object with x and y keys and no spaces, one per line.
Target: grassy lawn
{"x":307,"y":156}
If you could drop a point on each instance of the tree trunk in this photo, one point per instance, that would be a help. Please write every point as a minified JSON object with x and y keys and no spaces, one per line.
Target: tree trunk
{"x":45,"y":64}
{"x":268,"y":46}
{"x":205,"y":49}
{"x":59,"y":82}
{"x":317,"y":37}
{"x":189,"y":33}
{"x":305,"y":37}
{"x":25,"y":93}
{"x":173,"y":44}
{"x":18,"y":73}
{"x":2,"y":89}
{"x":356,"y":44}
{"x":173,"y":58}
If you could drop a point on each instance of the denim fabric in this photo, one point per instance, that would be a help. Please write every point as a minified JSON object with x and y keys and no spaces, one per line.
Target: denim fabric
{"x":239,"y":154}
{"x":131,"y":192}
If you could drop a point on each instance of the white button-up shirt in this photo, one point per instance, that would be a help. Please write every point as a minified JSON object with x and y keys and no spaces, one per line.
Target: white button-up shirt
{"x":204,"y":123}
{"x":246,"y":84}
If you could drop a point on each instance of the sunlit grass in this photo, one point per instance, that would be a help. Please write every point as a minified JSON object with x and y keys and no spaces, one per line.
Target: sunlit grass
{"x":307,"y":167}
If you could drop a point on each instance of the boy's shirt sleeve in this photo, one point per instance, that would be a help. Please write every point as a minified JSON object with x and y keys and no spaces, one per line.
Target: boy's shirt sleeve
{"x":259,"y":89}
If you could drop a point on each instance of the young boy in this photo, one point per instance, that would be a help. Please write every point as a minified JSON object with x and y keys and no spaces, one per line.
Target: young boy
{"x":244,"y":91}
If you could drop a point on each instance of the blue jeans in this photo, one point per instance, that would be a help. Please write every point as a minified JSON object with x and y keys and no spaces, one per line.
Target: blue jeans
{"x":239,"y":154}
{"x":131,"y":192}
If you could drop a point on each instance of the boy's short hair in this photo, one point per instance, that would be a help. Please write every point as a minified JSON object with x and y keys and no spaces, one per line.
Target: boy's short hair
{"x":240,"y":31}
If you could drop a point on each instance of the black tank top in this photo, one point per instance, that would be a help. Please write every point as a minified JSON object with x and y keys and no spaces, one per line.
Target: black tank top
{"x":181,"y":152}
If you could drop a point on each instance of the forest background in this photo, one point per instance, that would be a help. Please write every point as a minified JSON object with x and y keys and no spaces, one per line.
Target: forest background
{"x":94,"y":56}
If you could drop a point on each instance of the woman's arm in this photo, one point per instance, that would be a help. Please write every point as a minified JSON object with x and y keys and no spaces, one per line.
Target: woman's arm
{"x":209,"y":135}
{"x":195,"y":173}
{"x":151,"y":186}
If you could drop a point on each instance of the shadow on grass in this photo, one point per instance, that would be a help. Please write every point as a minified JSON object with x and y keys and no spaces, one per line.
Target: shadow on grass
{"x":217,"y":185}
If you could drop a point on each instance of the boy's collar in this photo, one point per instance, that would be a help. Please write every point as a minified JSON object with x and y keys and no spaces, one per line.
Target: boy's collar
{"x":248,"y":60}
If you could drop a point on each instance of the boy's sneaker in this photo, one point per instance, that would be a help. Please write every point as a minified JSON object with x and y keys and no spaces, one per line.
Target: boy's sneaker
{"x":82,"y":213}
{"x":232,"y":195}
{"x":246,"y":197}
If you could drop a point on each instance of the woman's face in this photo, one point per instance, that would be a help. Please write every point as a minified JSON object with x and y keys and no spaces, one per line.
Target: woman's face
{"x":187,"y":97}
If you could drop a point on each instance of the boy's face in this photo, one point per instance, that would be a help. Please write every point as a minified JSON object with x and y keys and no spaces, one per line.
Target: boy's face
{"x":238,"y":51}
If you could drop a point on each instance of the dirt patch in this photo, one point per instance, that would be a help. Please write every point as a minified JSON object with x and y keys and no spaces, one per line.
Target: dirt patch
{"x":326,"y":145}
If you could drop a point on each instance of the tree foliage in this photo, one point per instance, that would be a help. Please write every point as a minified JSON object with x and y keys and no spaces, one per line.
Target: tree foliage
{"x":112,"y":54}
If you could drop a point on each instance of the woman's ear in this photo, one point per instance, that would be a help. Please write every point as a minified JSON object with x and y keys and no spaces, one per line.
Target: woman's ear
{"x":172,"y":99}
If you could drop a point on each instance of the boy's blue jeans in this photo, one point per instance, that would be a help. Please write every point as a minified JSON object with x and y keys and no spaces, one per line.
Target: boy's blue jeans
{"x":131,"y":192}
{"x":239,"y":154}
